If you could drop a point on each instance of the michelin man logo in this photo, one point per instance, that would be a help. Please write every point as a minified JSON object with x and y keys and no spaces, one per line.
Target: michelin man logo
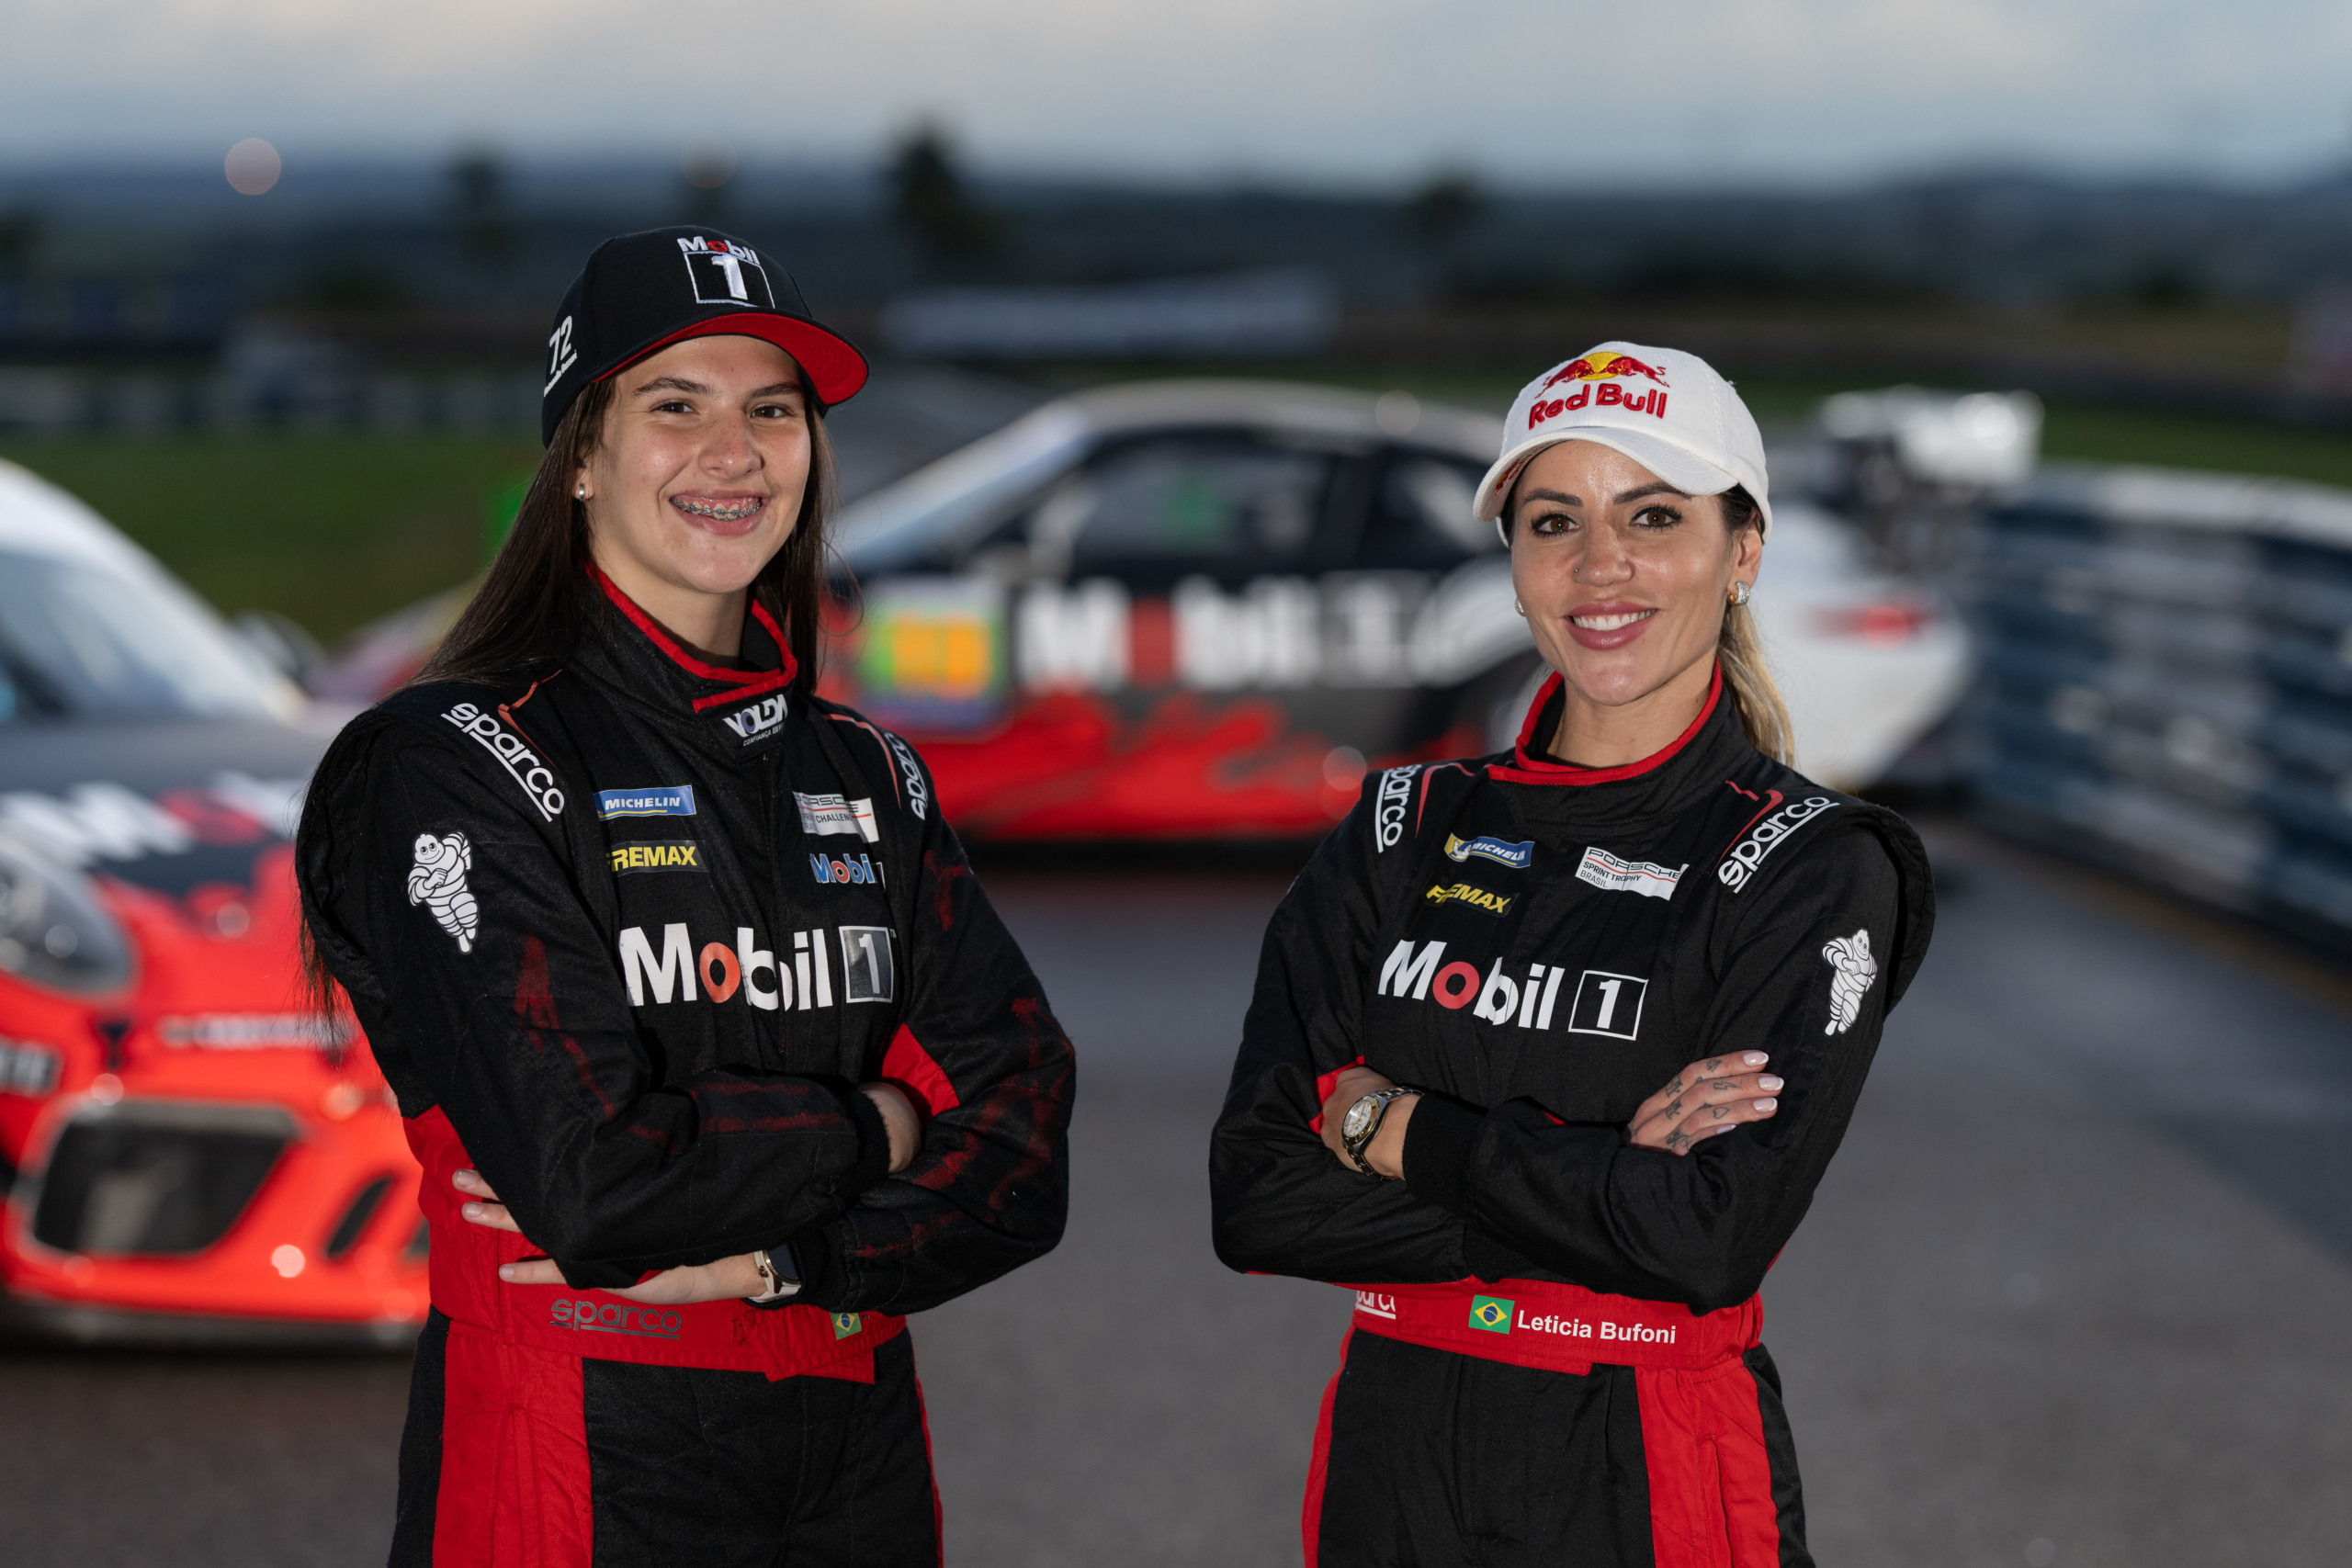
{"x":438,"y":881}
{"x":1853,"y":971}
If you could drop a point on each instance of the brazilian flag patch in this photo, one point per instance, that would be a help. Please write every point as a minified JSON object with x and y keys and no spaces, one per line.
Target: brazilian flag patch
{"x":848,"y":1323}
{"x":1491,"y":1314}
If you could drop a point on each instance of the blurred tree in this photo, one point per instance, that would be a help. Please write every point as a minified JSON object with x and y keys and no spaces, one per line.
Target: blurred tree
{"x":706,"y":166}
{"x":477,"y":201}
{"x":20,"y":237}
{"x":1442,"y":208}
{"x":931,"y":203}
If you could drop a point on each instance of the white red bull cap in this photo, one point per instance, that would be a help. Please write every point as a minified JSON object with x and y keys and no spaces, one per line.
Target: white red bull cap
{"x":1666,"y":410}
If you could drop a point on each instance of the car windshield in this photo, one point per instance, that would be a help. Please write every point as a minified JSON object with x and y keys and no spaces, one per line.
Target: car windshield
{"x":82,"y":639}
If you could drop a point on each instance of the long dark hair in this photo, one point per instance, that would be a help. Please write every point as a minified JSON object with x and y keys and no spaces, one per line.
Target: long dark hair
{"x":537,"y":600}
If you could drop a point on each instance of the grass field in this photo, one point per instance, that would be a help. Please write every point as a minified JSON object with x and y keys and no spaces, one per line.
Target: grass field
{"x":335,"y":530}
{"x":331,"y":530}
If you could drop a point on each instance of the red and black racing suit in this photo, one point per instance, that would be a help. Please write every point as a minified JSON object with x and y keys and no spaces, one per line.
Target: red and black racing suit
{"x":626,"y":940}
{"x":1554,"y":1353}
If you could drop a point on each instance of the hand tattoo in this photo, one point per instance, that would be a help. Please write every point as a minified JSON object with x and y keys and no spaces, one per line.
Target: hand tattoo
{"x":1724,"y":1084}
{"x":1714,"y":1063}
{"x":1675,"y":1109}
{"x":1677,"y":1138}
{"x":1720,"y":1111}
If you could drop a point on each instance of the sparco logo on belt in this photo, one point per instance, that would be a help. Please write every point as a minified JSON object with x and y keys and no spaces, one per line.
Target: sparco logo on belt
{"x":615,"y":1317}
{"x":1749,"y":853}
{"x":514,"y":755}
{"x":1389,"y":807}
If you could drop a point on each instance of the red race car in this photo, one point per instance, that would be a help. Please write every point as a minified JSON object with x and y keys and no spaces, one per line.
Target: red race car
{"x":187,"y":1150}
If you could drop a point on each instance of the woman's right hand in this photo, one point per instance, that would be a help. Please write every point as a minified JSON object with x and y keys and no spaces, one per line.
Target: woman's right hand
{"x":1705,"y":1098}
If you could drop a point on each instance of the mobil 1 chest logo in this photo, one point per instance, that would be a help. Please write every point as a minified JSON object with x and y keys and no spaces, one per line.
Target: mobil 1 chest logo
{"x":1603,"y":1001}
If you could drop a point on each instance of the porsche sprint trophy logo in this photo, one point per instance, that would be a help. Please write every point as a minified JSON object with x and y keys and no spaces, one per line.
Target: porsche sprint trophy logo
{"x":1491,"y":1314}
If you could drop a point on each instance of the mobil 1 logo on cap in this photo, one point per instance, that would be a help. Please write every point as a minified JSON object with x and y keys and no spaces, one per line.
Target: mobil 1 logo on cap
{"x":724,"y":272}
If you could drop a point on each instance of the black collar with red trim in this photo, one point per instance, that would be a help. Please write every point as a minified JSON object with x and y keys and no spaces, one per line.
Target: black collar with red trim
{"x":739,"y":711}
{"x":1692,"y":763}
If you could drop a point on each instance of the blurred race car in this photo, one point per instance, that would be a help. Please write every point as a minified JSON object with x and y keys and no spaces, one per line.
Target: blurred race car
{"x":1202,"y":609}
{"x":187,"y":1151}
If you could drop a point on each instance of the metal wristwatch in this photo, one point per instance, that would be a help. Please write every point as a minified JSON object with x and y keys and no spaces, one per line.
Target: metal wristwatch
{"x":1361,"y":1122}
{"x":778,"y":1271}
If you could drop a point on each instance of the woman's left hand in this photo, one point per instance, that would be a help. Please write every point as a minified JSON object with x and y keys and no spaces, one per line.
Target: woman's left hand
{"x":729,"y":1277}
{"x":1385,"y":1152}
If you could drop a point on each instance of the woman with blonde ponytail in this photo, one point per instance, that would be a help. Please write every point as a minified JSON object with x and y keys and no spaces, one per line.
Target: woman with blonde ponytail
{"x":1448,"y":1098}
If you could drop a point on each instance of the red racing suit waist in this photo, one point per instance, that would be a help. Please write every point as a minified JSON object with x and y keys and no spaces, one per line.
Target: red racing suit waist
{"x":1557,"y":1327}
{"x":728,"y":1336}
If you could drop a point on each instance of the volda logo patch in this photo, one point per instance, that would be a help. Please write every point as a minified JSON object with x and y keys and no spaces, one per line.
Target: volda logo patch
{"x":757,"y":722}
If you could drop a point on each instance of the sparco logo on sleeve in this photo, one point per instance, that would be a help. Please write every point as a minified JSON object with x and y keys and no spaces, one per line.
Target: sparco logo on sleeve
{"x":917,"y":790}
{"x":1389,"y":807}
{"x":514,"y":755}
{"x":1767,"y":835}
{"x":757,"y":722}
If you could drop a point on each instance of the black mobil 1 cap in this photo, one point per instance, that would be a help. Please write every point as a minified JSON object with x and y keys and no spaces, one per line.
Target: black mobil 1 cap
{"x":642,"y":292}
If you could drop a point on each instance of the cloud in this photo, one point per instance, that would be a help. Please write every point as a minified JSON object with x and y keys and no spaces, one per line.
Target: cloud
{"x":1532,"y":89}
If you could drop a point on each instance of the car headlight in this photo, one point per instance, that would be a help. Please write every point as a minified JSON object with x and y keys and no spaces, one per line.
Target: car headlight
{"x":52,"y":932}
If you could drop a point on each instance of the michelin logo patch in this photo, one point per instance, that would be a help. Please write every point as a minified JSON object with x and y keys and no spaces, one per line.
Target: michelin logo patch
{"x":822,"y":814}
{"x":657,"y":800}
{"x":437,"y":881}
{"x":1502,"y":851}
{"x":513,"y":754}
{"x":1604,"y":870}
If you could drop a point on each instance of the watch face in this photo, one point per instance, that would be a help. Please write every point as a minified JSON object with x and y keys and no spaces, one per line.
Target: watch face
{"x":1358,"y":1119}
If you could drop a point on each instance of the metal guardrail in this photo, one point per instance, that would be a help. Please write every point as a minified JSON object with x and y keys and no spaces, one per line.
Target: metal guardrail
{"x":2167,"y":681}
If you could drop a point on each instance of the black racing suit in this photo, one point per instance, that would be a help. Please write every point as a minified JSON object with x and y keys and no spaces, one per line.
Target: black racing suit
{"x":626,"y":940}
{"x":1554,"y":1356}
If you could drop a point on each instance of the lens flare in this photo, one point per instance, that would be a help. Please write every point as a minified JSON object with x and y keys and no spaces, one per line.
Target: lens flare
{"x":253,"y":166}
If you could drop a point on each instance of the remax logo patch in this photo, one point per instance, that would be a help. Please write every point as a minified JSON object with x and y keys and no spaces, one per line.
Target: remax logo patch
{"x":659,"y":800}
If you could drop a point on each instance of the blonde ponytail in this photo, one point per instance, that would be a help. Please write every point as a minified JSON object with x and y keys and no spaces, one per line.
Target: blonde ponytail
{"x":1741,"y":653}
{"x":1761,"y":712}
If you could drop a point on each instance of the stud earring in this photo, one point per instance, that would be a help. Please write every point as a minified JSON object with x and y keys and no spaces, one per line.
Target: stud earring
{"x":581,"y":491}
{"x":1739,"y":594}
{"x":1521,"y":608}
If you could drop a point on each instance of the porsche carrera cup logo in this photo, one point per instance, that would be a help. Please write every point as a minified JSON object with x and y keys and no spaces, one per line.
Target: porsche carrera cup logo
{"x":513,"y":754}
{"x":1389,"y":807}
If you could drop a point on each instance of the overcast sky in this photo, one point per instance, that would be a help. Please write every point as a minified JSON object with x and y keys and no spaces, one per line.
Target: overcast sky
{"x":1352,"y":90}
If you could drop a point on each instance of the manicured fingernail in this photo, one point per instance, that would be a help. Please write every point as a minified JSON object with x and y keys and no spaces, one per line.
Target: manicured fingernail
{"x":470,"y":1211}
{"x":1768,"y":1080}
{"x":1756,"y":1058}
{"x":506,"y":1271}
{"x":1768,"y":1105}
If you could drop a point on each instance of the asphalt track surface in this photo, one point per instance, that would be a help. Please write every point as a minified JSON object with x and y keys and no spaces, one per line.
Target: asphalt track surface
{"x":2074,"y":1294}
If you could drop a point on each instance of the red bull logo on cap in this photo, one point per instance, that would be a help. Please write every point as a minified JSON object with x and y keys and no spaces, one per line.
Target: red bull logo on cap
{"x":1599,"y":380}
{"x":1602,"y":365}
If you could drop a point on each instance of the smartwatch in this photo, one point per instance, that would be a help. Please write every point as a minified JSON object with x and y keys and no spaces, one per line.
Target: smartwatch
{"x":778,"y":1271}
{"x":1361,"y":1122}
